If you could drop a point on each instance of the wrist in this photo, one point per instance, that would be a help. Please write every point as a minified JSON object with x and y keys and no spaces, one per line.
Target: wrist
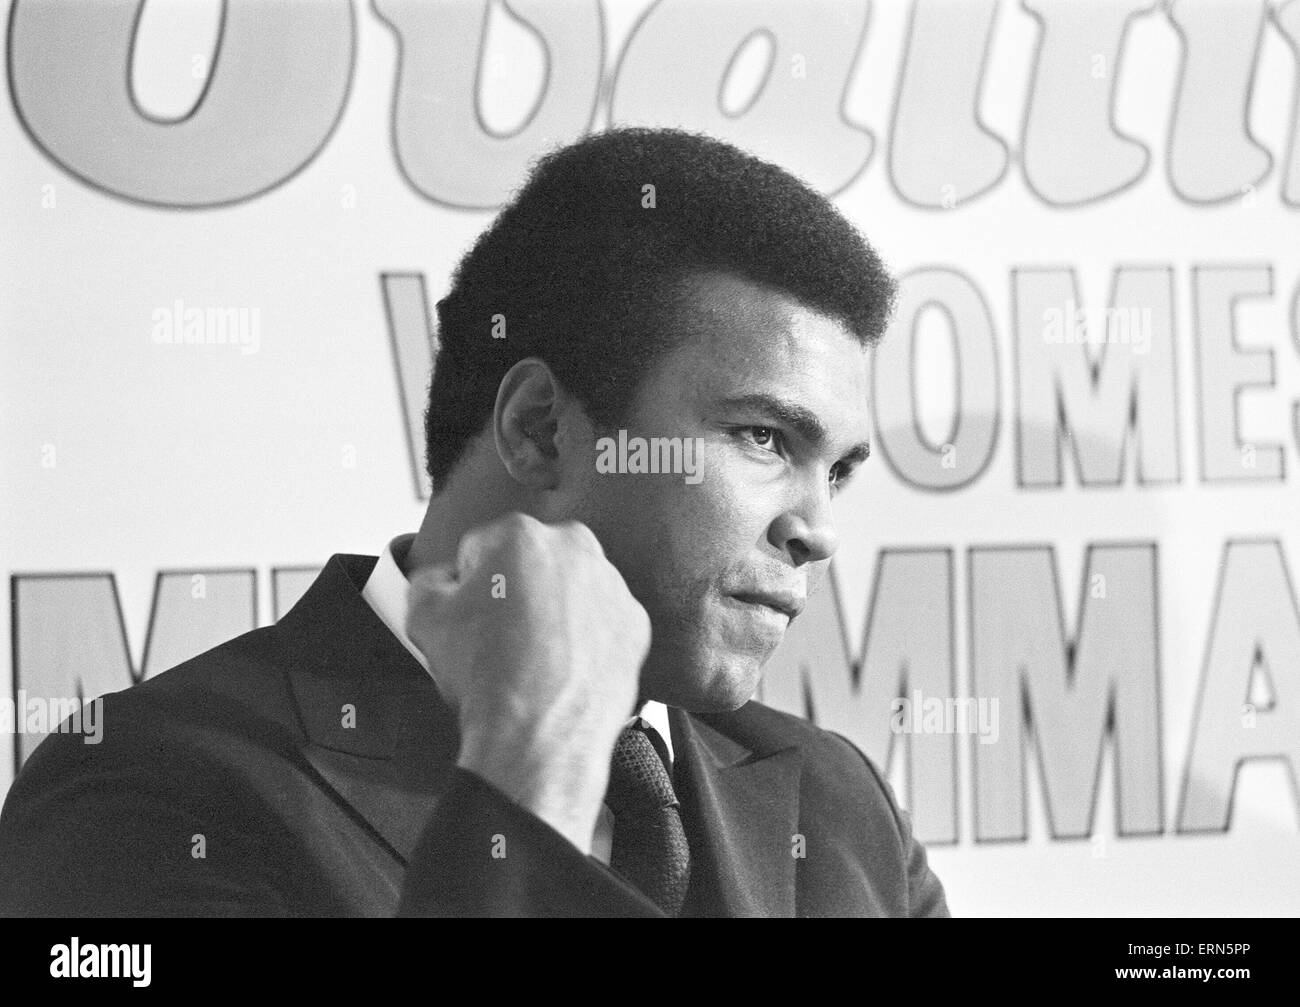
{"x":562,"y":785}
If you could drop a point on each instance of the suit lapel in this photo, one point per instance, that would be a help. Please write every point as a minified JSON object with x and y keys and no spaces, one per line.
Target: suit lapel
{"x":741,"y":813}
{"x":383,"y":741}
{"x":376,"y":730}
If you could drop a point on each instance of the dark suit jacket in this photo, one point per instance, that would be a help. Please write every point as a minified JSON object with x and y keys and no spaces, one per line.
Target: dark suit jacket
{"x":308,"y":768}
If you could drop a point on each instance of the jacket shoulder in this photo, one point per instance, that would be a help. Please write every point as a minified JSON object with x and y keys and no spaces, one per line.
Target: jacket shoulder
{"x":765,"y":729}
{"x":249,"y":667}
{"x":225,"y":705}
{"x":848,"y":807}
{"x":840,"y":782}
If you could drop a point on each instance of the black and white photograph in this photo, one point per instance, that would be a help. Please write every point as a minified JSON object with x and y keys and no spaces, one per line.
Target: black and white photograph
{"x":652,"y":458}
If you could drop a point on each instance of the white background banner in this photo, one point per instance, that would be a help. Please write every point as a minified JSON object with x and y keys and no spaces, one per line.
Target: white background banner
{"x":1074,"y":551}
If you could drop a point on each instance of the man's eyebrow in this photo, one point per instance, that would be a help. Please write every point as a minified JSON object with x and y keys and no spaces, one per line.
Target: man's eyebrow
{"x":800,"y":419}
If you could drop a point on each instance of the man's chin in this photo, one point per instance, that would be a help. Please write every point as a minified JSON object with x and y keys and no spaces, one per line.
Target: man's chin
{"x":712,"y":686}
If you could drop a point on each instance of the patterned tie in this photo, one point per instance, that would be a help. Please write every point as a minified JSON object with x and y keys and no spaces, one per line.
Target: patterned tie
{"x":650,"y":848}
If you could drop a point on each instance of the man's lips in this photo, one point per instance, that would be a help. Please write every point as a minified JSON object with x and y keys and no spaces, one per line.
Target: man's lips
{"x":787,"y":603}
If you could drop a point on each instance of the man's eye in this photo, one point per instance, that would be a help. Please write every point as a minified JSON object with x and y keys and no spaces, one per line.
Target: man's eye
{"x":841,"y":475}
{"x":767,"y":438}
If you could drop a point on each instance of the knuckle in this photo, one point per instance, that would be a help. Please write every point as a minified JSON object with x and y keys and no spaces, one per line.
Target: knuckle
{"x":516,"y":522}
{"x":581,"y":535}
{"x":427,"y":585}
{"x":520,"y":532}
{"x":478,"y":537}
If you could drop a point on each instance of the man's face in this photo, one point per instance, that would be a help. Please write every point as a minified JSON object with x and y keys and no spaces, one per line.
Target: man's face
{"x":777,"y":395}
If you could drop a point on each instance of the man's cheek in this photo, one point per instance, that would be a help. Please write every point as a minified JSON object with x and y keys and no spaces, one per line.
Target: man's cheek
{"x":717,"y":499}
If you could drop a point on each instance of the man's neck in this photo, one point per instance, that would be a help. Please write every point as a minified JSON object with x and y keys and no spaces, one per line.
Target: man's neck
{"x":479,"y":493}
{"x":436,"y":541}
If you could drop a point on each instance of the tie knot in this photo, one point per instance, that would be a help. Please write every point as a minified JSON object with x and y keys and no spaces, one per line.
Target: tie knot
{"x":638,"y":779}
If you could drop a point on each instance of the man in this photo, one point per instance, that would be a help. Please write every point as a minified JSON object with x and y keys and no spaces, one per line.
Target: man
{"x":650,"y":384}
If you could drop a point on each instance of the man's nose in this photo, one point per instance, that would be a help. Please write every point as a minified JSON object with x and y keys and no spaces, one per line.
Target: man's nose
{"x":807,"y":532}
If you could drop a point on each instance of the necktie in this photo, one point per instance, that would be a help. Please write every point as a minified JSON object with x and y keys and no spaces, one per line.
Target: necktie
{"x":649,"y":848}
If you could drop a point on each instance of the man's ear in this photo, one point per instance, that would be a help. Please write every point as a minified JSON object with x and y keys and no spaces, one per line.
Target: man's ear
{"x":525,"y":423}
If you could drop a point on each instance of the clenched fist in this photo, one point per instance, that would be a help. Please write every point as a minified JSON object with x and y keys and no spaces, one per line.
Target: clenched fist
{"x":536,"y":640}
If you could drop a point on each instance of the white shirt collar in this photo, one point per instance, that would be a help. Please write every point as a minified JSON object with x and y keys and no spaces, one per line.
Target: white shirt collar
{"x":385,"y":592}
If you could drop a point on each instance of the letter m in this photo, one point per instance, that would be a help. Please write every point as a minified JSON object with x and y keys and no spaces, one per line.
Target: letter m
{"x":1066,"y":695}
{"x":115,"y":960}
{"x":70,"y":639}
{"x":1094,"y":402}
{"x":907,"y":644}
